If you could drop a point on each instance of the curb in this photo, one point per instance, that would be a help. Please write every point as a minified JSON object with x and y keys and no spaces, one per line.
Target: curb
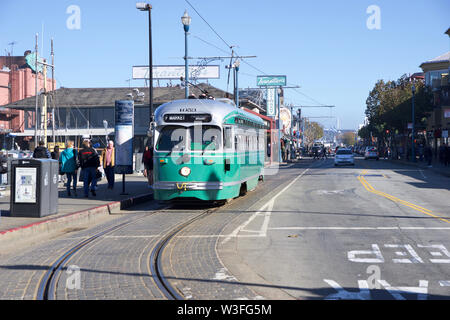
{"x":69,"y":220}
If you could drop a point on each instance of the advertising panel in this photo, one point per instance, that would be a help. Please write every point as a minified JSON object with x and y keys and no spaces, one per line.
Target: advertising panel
{"x":124,"y":131}
{"x":25,"y":185}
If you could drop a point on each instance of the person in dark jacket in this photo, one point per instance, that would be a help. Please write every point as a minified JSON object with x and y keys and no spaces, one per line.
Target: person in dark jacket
{"x":41,"y":151}
{"x":89,"y":162}
{"x":55,"y":153}
{"x":147,"y":159}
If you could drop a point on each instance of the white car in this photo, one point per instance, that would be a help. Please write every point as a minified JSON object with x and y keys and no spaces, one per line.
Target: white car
{"x":344,"y":156}
{"x":371,"y":153}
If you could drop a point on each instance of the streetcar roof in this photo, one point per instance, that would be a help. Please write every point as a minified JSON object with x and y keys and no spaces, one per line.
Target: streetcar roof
{"x":219,"y":110}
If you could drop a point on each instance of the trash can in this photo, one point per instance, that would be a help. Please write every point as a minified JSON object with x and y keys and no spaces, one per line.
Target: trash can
{"x":34,"y":187}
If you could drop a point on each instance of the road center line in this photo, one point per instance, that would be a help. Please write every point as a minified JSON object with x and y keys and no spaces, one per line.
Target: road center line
{"x":371,"y":189}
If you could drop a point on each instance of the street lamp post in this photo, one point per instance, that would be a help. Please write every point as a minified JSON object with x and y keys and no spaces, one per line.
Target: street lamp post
{"x":186,"y":21}
{"x":142,"y":6}
{"x":236,"y":70}
{"x":413,"y":154}
{"x":280,"y":158}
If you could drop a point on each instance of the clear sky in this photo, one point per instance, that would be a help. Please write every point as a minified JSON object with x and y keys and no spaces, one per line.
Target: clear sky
{"x":324,"y":46}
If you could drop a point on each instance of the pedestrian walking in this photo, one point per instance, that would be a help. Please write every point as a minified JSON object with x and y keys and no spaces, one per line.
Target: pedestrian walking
{"x":147,"y":160}
{"x":69,"y":167}
{"x":428,"y":155}
{"x":108,"y":159}
{"x":55,"y":153}
{"x":89,"y":162}
{"x":41,"y":151}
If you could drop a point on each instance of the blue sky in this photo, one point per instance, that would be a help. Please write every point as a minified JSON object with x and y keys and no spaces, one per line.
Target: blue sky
{"x":323,"y":46}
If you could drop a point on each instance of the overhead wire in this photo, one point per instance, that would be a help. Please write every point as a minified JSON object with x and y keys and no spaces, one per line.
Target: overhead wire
{"x":243,"y":60}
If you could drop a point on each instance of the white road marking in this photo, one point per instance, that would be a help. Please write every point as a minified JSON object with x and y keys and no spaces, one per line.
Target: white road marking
{"x":267,"y":207}
{"x":223,"y":275}
{"x":359,"y":228}
{"x":444,"y":283}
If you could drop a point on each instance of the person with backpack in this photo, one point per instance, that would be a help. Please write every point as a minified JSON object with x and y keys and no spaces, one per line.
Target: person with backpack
{"x":89,"y":162}
{"x":41,"y":151}
{"x":68,"y":164}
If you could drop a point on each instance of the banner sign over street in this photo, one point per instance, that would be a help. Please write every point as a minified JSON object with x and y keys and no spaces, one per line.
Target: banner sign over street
{"x":176,"y":72}
{"x":270,"y":81}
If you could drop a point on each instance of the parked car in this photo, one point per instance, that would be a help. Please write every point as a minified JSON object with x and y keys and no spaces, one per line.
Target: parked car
{"x":371,"y":153}
{"x":344,"y":156}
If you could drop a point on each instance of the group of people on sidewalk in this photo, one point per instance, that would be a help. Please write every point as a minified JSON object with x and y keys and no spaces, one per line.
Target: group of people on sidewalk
{"x":87,"y":158}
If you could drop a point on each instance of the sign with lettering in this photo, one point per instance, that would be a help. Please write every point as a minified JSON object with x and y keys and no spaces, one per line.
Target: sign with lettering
{"x":176,"y":72}
{"x":271,"y":110}
{"x":124,"y":132}
{"x":270,"y":81}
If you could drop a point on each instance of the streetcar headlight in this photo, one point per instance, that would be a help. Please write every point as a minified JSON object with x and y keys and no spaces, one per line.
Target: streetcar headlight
{"x":185,"y":171}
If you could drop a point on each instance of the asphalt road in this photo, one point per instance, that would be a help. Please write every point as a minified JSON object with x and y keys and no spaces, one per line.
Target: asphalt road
{"x":373,"y":231}
{"x":310,"y":231}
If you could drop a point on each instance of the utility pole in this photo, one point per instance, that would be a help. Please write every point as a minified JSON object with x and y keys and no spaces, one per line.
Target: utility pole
{"x":36,"y":94}
{"x":53,"y":93}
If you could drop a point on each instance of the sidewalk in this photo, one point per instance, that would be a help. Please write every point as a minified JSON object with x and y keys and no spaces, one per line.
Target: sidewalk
{"x":437,"y":167}
{"x":75,"y":210}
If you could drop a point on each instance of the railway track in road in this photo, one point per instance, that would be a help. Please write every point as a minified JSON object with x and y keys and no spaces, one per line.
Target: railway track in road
{"x":48,"y":283}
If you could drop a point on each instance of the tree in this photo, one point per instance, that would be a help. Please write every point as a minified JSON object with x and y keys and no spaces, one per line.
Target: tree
{"x":347,"y":138}
{"x":313,"y":131}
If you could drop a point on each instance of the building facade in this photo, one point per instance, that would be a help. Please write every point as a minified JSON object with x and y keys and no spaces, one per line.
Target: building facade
{"x":17,"y":82}
{"x":437,"y":80}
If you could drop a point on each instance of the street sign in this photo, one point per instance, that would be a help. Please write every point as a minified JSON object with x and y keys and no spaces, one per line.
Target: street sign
{"x":31,"y":61}
{"x":270,"y":81}
{"x":176,"y":72}
{"x":271,"y":110}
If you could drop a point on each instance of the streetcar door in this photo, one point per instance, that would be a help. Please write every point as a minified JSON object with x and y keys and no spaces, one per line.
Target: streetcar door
{"x":227,"y":146}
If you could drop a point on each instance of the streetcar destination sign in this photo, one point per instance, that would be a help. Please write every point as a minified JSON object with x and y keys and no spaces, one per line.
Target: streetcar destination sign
{"x":270,"y":81}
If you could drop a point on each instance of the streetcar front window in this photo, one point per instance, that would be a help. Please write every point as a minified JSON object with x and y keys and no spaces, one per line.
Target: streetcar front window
{"x":172,"y":138}
{"x":205,"y":138}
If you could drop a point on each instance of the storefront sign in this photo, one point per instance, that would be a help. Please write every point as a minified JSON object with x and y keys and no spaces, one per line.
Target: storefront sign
{"x":176,"y":72}
{"x":271,"y":110}
{"x":270,"y":81}
{"x":124,"y":136}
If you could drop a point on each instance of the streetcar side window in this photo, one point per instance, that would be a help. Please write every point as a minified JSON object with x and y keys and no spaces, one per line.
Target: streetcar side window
{"x":227,"y":138}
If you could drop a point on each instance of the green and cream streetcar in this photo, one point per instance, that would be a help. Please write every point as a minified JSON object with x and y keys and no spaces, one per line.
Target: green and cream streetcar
{"x":206,"y":149}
